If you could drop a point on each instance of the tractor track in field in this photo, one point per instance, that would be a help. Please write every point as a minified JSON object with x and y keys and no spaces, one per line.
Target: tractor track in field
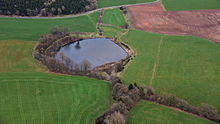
{"x":157,"y":61}
{"x":74,"y":15}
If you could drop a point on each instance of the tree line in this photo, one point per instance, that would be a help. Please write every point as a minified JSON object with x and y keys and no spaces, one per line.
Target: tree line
{"x":45,"y":7}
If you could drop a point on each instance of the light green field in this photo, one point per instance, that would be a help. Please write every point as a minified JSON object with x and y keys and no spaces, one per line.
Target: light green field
{"x":113,"y":17}
{"x":39,"y":98}
{"x":111,"y":32}
{"x":108,"y":3}
{"x":150,"y":113}
{"x":173,"y":5}
{"x":16,"y":56}
{"x":32,"y":29}
{"x":183,"y":65}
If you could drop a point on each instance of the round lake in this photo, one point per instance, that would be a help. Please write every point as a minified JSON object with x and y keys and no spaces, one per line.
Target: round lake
{"x":97,"y":51}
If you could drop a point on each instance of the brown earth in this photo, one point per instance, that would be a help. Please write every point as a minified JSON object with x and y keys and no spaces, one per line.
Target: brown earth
{"x":153,"y":18}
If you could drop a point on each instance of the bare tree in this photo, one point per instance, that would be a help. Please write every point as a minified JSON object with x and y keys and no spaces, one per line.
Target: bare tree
{"x":85,"y":65}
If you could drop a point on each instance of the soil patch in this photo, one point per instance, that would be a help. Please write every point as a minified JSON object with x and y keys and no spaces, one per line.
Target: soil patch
{"x":153,"y":18}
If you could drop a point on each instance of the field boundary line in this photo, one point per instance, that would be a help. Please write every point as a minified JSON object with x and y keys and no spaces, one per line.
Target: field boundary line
{"x":21,"y":110}
{"x":157,"y":61}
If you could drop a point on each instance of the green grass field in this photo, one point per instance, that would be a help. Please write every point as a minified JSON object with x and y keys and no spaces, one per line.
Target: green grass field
{"x":109,"y":3}
{"x":173,"y":5}
{"x":113,"y":17}
{"x":39,"y":98}
{"x":150,"y":113}
{"x":183,"y":65}
{"x":32,"y":29}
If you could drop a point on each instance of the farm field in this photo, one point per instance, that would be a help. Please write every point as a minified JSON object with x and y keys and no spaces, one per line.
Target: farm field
{"x":110,"y":31}
{"x":109,"y":3}
{"x":155,"y":114}
{"x":172,"y":5}
{"x":32,"y":29}
{"x":37,"y":98}
{"x":114,"y":17}
{"x":183,"y":65}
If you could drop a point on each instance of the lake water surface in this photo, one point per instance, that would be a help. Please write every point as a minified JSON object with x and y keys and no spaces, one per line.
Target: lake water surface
{"x":97,"y":51}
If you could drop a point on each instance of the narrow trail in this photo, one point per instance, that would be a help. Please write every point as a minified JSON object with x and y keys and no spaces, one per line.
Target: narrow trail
{"x":157,"y":61}
{"x":74,"y":15}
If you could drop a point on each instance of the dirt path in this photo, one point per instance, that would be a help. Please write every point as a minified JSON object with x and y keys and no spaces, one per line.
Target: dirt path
{"x":153,"y":18}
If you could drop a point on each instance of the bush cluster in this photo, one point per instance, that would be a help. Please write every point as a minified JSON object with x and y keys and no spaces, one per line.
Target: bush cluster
{"x":45,"y":7}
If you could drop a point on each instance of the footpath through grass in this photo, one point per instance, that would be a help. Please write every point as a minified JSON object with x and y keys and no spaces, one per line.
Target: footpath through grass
{"x":173,"y":5}
{"x":109,"y":3}
{"x":37,"y":98}
{"x":32,"y":29}
{"x":150,"y":113}
{"x":183,"y":65}
{"x":113,"y":17}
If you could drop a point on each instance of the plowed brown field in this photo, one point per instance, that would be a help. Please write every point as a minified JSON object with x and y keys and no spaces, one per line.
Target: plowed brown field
{"x":153,"y":18}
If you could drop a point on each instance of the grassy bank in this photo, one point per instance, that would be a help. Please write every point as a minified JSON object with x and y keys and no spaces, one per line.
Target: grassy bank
{"x":150,"y":113}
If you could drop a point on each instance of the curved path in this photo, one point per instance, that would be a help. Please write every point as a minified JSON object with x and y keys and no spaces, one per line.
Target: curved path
{"x":74,"y":15}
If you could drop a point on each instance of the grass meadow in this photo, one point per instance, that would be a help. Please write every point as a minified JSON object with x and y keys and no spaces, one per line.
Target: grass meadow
{"x":109,"y":3}
{"x":156,"y":114}
{"x":114,"y":17}
{"x":173,"y":5}
{"x":32,"y":29}
{"x":186,"y":66}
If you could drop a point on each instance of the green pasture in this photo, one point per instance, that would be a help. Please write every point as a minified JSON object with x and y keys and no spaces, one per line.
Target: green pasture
{"x":32,"y":29}
{"x":40,"y":98}
{"x":114,"y":17}
{"x":186,"y":66}
{"x":109,"y":3}
{"x":172,"y":5}
{"x":151,"y":113}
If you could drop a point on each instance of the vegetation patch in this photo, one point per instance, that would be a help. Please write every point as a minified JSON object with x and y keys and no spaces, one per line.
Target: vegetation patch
{"x":110,"y":31}
{"x":45,"y":7}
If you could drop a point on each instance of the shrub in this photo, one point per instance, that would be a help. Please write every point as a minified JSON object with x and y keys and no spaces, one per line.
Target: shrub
{"x":130,"y":87}
{"x":208,"y":111}
{"x":115,"y":118}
